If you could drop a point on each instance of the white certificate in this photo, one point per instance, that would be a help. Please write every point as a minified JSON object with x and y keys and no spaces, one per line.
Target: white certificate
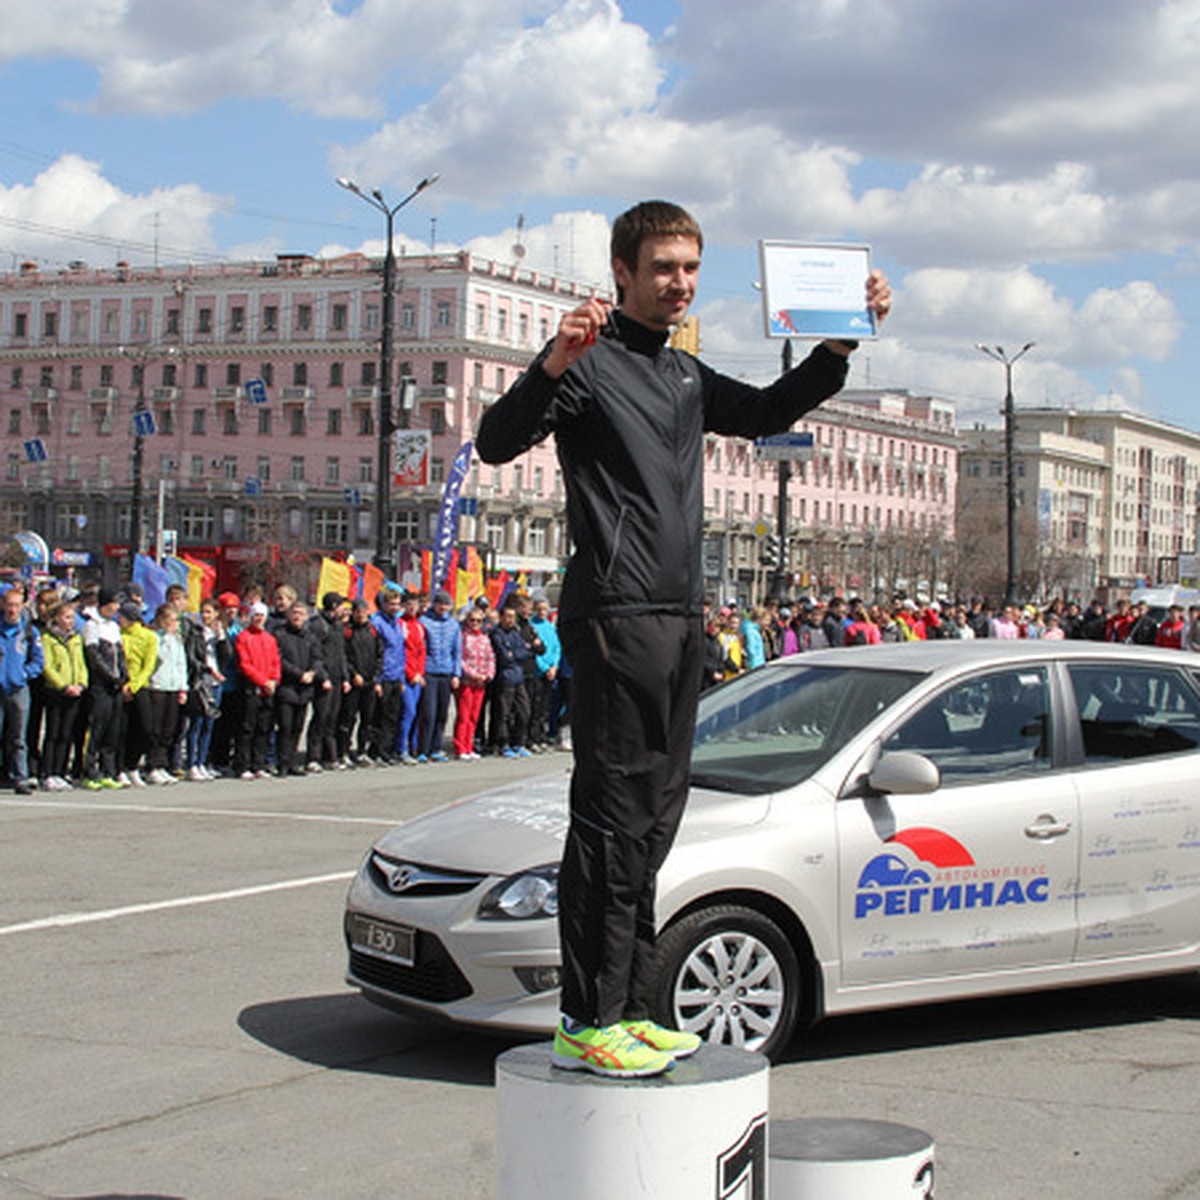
{"x":816,"y":291}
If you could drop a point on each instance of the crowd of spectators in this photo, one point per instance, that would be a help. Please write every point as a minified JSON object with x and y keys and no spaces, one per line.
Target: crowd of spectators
{"x":95,"y":692}
{"x":740,"y":640}
{"x":99,"y":693}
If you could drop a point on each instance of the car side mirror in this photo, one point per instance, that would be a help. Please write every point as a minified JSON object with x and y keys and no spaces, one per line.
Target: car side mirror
{"x":904,"y":773}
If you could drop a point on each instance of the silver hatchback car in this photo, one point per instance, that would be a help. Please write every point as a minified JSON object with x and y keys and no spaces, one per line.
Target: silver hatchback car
{"x":867,"y":827}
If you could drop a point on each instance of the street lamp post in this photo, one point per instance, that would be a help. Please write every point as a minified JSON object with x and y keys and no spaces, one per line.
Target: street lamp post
{"x":779,"y":584}
{"x":383,"y":548}
{"x":1010,"y":474}
{"x":140,"y":356}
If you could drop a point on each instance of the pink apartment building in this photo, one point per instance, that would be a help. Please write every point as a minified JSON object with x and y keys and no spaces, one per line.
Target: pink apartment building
{"x":269,"y":487}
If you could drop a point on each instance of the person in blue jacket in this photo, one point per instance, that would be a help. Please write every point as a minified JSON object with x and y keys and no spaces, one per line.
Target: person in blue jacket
{"x":390,"y":628}
{"x":547,"y":663}
{"x":443,"y":670}
{"x":20,"y":661}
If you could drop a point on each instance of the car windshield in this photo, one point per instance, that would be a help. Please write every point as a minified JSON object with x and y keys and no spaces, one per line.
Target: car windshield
{"x":773,"y":728}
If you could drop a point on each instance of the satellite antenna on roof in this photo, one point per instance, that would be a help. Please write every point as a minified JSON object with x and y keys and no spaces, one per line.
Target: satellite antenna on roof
{"x":518,"y":249}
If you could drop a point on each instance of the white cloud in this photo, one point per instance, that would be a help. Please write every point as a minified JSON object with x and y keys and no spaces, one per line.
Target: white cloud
{"x":158,"y":58}
{"x":71,"y":211}
{"x":521,"y":114}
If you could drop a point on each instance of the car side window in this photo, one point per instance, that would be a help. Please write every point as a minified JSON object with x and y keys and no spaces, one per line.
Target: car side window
{"x":993,"y":726}
{"x":1132,"y":711}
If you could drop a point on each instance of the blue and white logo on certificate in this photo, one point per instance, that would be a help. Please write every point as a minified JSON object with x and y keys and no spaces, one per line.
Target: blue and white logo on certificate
{"x":816,"y":291}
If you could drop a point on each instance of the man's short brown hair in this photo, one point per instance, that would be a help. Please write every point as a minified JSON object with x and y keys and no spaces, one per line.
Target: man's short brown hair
{"x":651,"y":218}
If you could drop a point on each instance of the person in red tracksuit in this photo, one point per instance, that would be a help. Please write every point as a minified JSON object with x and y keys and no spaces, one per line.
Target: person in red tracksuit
{"x":478,"y":670}
{"x":261,"y":672}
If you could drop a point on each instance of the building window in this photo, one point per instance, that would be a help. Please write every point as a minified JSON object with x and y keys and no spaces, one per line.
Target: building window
{"x":304,"y":317}
{"x":371,"y":316}
{"x":229,"y":420}
{"x":480,"y":318}
{"x":237,"y":319}
{"x":339,"y":317}
{"x":333,"y":469}
{"x":196,"y":524}
{"x":366,"y":421}
{"x":173,"y":321}
{"x":266,"y":372}
{"x":270,"y":318}
{"x":20,"y":325}
{"x":264,"y":421}
{"x":366,"y":373}
{"x":46,"y":376}
{"x":66,"y":519}
{"x":17,"y":377}
{"x":233,"y":374}
{"x":441,"y":374}
{"x":14,"y":421}
{"x":333,"y":422}
{"x":408,"y":316}
{"x":329,"y":526}
{"x":366,"y":470}
{"x":296,"y":468}
{"x":405,"y":525}
{"x":169,"y":374}
{"x":229,"y":467}
{"x":443,"y":313}
{"x":199,"y":375}
{"x":437,"y":470}
{"x":50,"y":324}
{"x":535,"y":538}
{"x":299,"y":374}
{"x":263,"y":470}
{"x":204,"y":320}
{"x":336,"y":374}
{"x":196,"y":466}
{"x":296,"y":421}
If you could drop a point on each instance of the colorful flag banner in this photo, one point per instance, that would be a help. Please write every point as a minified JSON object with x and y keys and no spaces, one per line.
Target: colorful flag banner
{"x":447,"y":524}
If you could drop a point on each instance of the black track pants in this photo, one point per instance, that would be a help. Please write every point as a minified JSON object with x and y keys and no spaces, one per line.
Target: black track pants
{"x":636,"y":685}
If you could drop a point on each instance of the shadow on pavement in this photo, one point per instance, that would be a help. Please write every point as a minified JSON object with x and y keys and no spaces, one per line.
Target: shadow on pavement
{"x":998,"y":1017}
{"x":346,"y":1033}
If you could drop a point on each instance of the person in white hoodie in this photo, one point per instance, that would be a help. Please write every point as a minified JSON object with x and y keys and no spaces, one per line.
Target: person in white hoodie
{"x":168,"y":690}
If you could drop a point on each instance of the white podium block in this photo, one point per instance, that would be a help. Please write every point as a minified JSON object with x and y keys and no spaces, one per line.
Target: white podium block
{"x":700,"y":1130}
{"x":842,"y":1158}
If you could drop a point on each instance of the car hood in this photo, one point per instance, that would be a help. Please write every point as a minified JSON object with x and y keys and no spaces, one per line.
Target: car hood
{"x":524,"y":825}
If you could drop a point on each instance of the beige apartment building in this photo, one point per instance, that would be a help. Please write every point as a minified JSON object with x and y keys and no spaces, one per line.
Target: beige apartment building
{"x":1107,"y":501}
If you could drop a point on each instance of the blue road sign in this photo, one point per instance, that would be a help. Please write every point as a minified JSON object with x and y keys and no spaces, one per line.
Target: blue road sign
{"x":784,"y":446}
{"x":35,"y":450}
{"x":253,"y":486}
{"x":143,"y":423}
{"x":352,"y":495}
{"x":468,"y":506}
{"x":256,"y":391}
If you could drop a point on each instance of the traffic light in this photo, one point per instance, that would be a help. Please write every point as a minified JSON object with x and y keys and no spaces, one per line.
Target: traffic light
{"x":769,"y":555}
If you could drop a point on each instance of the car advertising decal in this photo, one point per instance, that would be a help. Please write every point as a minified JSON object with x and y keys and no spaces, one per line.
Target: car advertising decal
{"x":945,"y":878}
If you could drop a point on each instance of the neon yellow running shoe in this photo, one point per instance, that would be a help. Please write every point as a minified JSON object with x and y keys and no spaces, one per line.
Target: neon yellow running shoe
{"x":674,"y":1042}
{"x":607,"y":1050}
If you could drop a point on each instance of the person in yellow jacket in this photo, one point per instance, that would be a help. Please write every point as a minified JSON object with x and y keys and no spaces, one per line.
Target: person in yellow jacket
{"x":65,"y":680}
{"x":141,"y":653}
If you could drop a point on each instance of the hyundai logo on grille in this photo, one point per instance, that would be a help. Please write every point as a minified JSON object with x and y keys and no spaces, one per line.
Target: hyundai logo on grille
{"x":402,"y":877}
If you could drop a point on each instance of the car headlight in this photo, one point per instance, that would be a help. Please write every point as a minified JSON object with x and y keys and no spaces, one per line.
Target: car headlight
{"x":523,"y":897}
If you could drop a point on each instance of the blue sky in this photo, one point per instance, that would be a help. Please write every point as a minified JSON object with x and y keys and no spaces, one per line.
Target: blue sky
{"x":1022,"y":170}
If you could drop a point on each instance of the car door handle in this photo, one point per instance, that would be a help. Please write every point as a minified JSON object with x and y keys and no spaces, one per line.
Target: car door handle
{"x":1046,"y":827}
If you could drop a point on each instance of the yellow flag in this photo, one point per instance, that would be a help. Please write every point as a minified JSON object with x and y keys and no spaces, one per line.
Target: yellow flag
{"x":334,"y":577}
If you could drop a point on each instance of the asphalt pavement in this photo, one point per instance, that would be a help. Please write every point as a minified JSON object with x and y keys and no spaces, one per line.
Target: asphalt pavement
{"x":175,"y":1024}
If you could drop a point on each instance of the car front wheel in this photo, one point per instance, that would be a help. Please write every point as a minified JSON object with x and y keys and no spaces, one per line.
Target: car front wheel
{"x":729,"y":974}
